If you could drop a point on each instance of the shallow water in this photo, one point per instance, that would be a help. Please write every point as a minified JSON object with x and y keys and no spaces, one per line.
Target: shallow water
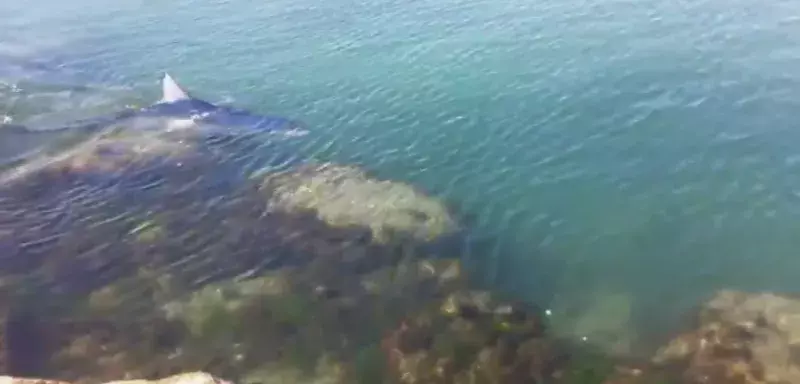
{"x":623,"y":159}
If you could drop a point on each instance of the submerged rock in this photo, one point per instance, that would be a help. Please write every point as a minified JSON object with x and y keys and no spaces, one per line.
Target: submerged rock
{"x":281,"y":326}
{"x":68,"y":219}
{"x":108,"y":154}
{"x":740,"y":338}
{"x":143,"y":255}
{"x":412,"y":322}
{"x":473,"y":338}
{"x":114,"y":155}
{"x":171,"y":201}
{"x":344,"y":196}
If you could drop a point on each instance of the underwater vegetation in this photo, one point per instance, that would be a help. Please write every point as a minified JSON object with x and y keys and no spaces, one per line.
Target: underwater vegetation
{"x":149,"y":256}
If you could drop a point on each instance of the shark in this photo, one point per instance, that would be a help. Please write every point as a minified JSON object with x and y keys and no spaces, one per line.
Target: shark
{"x":178,"y":104}
{"x":176,"y":107}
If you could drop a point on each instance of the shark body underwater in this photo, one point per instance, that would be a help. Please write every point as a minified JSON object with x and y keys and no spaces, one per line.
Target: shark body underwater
{"x":177,"y":103}
{"x":185,"y":163}
{"x":176,"y":108}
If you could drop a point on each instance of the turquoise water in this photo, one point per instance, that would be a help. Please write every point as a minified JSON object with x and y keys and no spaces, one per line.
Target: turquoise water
{"x":623,"y":159}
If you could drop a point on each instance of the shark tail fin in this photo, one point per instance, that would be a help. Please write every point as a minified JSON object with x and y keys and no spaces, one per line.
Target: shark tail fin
{"x":171,"y":91}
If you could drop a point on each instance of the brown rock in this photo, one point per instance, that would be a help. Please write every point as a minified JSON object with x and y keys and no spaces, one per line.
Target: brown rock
{"x":347,"y":196}
{"x":741,"y":338}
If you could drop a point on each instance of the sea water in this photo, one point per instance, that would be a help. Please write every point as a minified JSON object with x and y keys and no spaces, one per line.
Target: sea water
{"x":622,"y":159}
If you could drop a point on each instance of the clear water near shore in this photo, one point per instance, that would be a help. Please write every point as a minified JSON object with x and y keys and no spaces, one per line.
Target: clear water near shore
{"x":625,"y":159}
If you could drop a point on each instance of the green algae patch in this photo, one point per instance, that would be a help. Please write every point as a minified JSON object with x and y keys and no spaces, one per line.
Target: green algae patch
{"x":346,"y":196}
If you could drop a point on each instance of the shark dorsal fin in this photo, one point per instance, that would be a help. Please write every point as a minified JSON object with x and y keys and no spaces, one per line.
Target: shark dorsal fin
{"x":171,"y":91}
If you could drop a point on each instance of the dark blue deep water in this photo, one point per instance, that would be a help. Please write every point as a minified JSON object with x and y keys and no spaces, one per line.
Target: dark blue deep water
{"x":622,"y":159}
